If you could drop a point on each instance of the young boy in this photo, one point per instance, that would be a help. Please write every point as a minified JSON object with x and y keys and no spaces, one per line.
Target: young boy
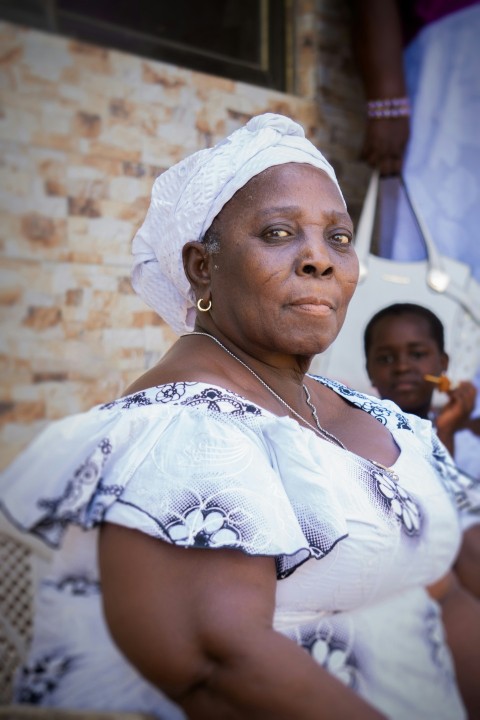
{"x":403,"y":343}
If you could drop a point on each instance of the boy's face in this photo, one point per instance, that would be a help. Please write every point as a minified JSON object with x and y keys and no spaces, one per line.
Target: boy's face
{"x":402,"y":351}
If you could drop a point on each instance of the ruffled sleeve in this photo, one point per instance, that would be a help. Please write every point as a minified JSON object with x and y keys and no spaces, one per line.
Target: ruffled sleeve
{"x":187,"y":476}
{"x":212,"y":483}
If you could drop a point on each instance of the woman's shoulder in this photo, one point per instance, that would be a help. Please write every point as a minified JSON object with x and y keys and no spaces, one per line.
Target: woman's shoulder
{"x":94,"y":454}
{"x":128,"y":425}
{"x":186,"y":394}
{"x":191,"y":463}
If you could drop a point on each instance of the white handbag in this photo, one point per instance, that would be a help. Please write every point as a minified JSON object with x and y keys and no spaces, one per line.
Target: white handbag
{"x":442,"y":284}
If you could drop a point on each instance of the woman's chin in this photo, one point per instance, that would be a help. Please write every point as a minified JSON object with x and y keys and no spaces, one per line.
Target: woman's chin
{"x":309,"y":351}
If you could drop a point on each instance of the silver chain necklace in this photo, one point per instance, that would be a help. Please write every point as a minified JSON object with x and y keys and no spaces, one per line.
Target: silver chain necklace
{"x":316,"y":428}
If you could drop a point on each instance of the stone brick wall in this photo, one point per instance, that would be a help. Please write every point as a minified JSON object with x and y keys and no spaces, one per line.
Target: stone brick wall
{"x":83,"y":133}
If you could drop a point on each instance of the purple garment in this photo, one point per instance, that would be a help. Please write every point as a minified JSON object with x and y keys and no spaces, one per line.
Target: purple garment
{"x":416,"y":14}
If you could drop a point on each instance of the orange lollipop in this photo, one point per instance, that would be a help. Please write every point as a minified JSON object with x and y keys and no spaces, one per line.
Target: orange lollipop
{"x":444,"y":384}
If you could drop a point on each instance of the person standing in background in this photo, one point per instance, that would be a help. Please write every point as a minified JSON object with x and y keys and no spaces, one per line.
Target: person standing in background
{"x":419,"y":61}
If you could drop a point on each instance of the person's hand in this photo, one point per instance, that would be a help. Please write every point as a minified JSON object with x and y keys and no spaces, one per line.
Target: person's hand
{"x":455,"y":414}
{"x":384,"y":144}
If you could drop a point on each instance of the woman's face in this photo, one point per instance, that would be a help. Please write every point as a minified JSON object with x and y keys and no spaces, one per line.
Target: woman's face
{"x":401,"y":352}
{"x":286,"y":268}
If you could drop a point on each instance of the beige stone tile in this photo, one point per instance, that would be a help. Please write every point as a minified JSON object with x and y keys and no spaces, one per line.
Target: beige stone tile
{"x":92,"y":60}
{"x":42,"y":231}
{"x":21,"y":412}
{"x":56,"y":141}
{"x":13,"y":371}
{"x":126,"y":68}
{"x":166,"y":76}
{"x":10,"y":44}
{"x":86,"y":124}
{"x":91,"y":166}
{"x":45,"y":55}
{"x":129,"y":189}
{"x":133,"y":212}
{"x":15,"y":437}
{"x":114,"y":149}
{"x":19,"y":125}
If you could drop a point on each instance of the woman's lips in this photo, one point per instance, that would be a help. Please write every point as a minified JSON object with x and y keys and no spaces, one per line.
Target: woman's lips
{"x":313,"y":305}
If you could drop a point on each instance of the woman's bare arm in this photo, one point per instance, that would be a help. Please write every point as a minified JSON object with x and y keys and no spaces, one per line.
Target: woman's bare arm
{"x":198,"y":624}
{"x":467,"y":565}
{"x":378,"y":46}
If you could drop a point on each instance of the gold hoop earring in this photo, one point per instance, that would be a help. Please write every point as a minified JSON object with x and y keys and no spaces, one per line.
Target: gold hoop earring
{"x":203,"y":309}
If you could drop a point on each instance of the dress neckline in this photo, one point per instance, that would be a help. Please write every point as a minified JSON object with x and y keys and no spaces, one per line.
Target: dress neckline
{"x":343,"y":391}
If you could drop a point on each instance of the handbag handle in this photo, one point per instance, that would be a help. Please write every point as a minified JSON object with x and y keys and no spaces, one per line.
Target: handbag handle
{"x":437,"y":278}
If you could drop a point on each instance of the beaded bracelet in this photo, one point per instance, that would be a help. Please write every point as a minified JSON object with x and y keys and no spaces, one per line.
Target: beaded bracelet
{"x":388,"y":108}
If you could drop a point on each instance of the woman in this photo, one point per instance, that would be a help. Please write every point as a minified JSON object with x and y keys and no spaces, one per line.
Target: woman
{"x":263,"y":542}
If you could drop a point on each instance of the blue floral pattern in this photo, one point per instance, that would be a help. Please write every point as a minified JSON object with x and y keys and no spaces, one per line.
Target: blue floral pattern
{"x":331,"y":647}
{"x":401,"y":503}
{"x":376,"y":409}
{"x":135,"y":400}
{"x":334,"y":657}
{"x":464,"y":490}
{"x":71,"y":505}
{"x":40,"y":677}
{"x":436,"y":638}
{"x":75,"y":585}
{"x":204,"y":528}
{"x":217,"y":400}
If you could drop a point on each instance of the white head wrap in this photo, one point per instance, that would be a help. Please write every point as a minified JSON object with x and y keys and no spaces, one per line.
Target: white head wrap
{"x":189,"y":195}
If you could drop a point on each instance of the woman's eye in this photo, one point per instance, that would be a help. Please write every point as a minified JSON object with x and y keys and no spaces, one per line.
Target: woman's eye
{"x":277,"y":233}
{"x":343,"y":238}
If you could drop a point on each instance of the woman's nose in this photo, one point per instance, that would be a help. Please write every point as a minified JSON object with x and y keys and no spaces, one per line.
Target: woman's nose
{"x":315,"y":259}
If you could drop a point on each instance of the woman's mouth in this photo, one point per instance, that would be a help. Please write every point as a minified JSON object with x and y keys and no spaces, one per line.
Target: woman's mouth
{"x":313,"y":305}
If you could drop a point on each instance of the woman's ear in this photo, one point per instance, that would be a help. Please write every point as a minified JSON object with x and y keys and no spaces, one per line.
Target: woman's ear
{"x":196,"y":263}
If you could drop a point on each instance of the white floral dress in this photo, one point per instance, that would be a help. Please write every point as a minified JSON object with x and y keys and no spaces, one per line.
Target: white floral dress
{"x":199,"y":466}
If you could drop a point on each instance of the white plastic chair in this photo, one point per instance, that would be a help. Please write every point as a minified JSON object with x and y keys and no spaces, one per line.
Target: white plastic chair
{"x":22,"y":557}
